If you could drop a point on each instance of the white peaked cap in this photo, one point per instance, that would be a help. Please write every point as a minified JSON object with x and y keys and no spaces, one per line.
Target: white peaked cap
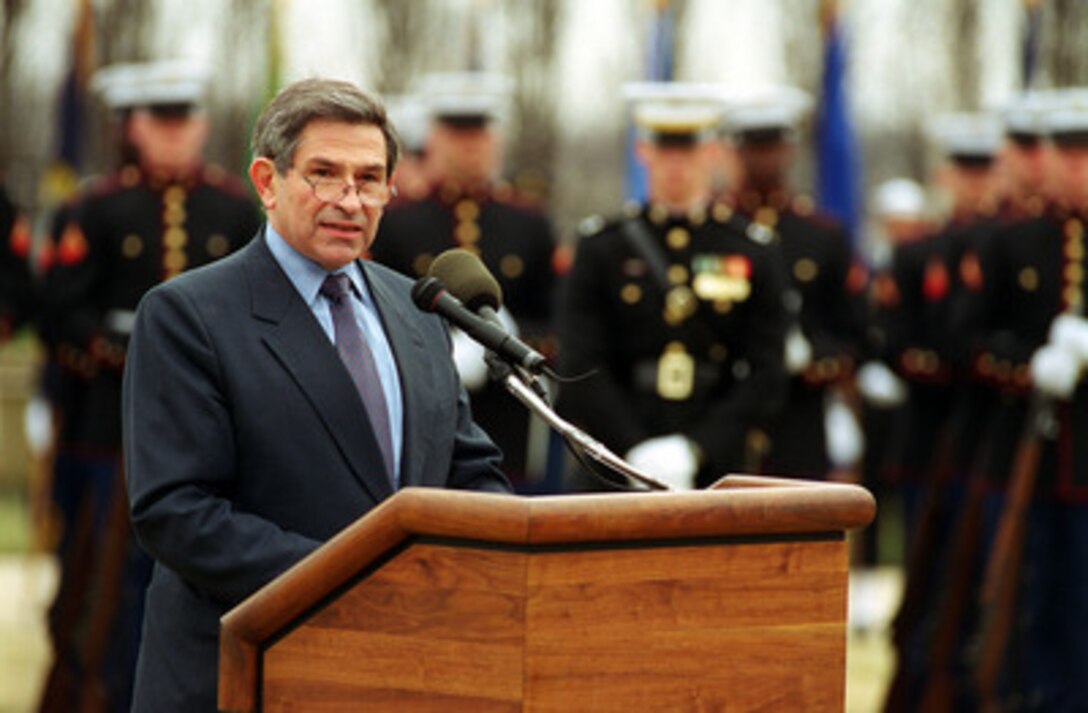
{"x":899,"y":197}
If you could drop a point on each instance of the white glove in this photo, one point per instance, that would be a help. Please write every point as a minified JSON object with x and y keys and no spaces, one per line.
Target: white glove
{"x":508,"y":321}
{"x":38,"y":425}
{"x":845,"y":440}
{"x":468,"y":356}
{"x":1070,"y":332}
{"x":879,"y":385}
{"x":670,"y":459}
{"x":798,"y":351}
{"x":1055,"y":371}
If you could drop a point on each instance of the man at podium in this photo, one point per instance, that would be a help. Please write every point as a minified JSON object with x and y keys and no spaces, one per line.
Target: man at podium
{"x":275,"y":397}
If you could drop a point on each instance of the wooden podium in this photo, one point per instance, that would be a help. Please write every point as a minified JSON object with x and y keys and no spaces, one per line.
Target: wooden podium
{"x":726,"y":599}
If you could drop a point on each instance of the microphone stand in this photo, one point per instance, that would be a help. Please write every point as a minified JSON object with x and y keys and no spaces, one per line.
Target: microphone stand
{"x":527,"y":389}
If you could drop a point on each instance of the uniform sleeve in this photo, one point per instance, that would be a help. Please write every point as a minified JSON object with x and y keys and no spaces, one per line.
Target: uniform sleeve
{"x":597,"y":402}
{"x":998,"y":354}
{"x":16,"y":285}
{"x":836,"y":325}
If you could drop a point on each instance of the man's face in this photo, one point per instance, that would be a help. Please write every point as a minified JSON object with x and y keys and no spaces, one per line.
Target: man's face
{"x":678,"y":174}
{"x":1072,"y":164}
{"x":970,"y":187}
{"x":168,"y":144}
{"x":765,"y":164}
{"x":1027,"y":166}
{"x":464,"y":154}
{"x":331,"y":233}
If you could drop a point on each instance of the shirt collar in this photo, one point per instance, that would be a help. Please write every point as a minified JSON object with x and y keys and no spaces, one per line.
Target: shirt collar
{"x":305,"y":274}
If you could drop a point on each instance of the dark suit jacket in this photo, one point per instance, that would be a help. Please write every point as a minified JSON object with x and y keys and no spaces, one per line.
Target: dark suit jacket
{"x":247,"y":446}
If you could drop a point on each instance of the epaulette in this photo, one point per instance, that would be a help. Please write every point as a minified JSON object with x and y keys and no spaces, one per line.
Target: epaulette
{"x":758,"y":233}
{"x":124,"y":178}
{"x":804,"y":206}
{"x":219,"y":177}
{"x":591,"y":225}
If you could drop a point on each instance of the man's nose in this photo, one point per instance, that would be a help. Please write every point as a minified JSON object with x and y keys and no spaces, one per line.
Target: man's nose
{"x":350,"y":199}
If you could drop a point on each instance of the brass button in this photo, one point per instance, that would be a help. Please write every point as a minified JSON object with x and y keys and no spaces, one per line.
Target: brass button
{"x":1074,"y":273}
{"x":467,"y":210}
{"x":174,"y":260}
{"x":217,"y":245}
{"x":678,"y":238}
{"x":805,"y":269}
{"x":1028,"y":279}
{"x":511,"y":266}
{"x":174,"y":196}
{"x":722,"y":212}
{"x":678,"y":274}
{"x":766,"y":216}
{"x":421,"y":263}
{"x":174,"y":215}
{"x":175,"y":238}
{"x":132,"y":246}
{"x":467,"y":233}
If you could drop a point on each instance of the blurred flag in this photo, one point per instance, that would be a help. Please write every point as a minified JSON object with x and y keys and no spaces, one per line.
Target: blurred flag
{"x":1029,"y":51}
{"x":837,"y":156}
{"x":660,"y":47}
{"x":62,"y":176}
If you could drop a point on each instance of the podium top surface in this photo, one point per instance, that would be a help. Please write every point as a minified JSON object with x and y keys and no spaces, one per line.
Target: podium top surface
{"x":736,"y":506}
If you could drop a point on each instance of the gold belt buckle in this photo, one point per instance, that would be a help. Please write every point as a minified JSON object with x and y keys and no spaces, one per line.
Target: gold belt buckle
{"x":675,"y":373}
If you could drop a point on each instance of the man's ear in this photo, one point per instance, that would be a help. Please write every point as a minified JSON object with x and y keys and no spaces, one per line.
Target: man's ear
{"x":262,"y":172}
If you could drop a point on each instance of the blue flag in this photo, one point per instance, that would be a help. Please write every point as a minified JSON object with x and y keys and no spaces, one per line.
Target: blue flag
{"x":838,"y":160}
{"x":61,"y":177}
{"x":659,"y":58}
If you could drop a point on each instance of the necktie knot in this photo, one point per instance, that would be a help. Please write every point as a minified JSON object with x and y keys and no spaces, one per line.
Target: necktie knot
{"x":336,"y":287}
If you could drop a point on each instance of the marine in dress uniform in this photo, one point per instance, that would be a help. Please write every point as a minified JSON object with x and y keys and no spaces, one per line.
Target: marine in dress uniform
{"x":409,"y":113}
{"x":468,"y":207}
{"x":673,"y":310}
{"x":827,"y":282}
{"x":16,"y":278}
{"x":898,"y":208}
{"x":1029,"y":294}
{"x":144,"y":224}
{"x":917,"y":302}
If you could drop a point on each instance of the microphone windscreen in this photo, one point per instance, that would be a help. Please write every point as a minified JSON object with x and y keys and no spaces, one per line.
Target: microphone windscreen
{"x":467,"y":278}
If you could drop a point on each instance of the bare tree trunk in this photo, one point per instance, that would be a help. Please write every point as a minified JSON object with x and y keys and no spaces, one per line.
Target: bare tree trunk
{"x":13,"y":10}
{"x":1065,"y":37}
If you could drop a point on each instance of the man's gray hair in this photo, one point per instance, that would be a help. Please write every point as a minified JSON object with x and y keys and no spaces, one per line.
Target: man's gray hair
{"x":282,"y":122}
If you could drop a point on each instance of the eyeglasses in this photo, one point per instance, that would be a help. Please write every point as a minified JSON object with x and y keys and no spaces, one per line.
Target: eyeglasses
{"x":334,"y":190}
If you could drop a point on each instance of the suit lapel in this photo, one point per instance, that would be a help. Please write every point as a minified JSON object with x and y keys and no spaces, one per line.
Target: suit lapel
{"x":298,"y":343}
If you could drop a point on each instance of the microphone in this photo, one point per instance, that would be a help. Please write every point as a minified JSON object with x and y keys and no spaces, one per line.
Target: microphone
{"x":430,"y":295}
{"x":468,"y":279}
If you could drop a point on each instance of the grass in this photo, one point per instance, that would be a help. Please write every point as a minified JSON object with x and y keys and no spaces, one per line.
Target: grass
{"x":14,"y":524}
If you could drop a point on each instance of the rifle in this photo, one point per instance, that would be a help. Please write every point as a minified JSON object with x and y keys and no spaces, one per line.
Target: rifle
{"x":1001,"y":583}
{"x":918,"y":575}
{"x":86,"y":608}
{"x":94,"y":696}
{"x":939,"y":693}
{"x":62,"y":680}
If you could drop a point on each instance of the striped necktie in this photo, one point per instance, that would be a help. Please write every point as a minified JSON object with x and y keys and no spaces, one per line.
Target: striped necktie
{"x":357,"y":357}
